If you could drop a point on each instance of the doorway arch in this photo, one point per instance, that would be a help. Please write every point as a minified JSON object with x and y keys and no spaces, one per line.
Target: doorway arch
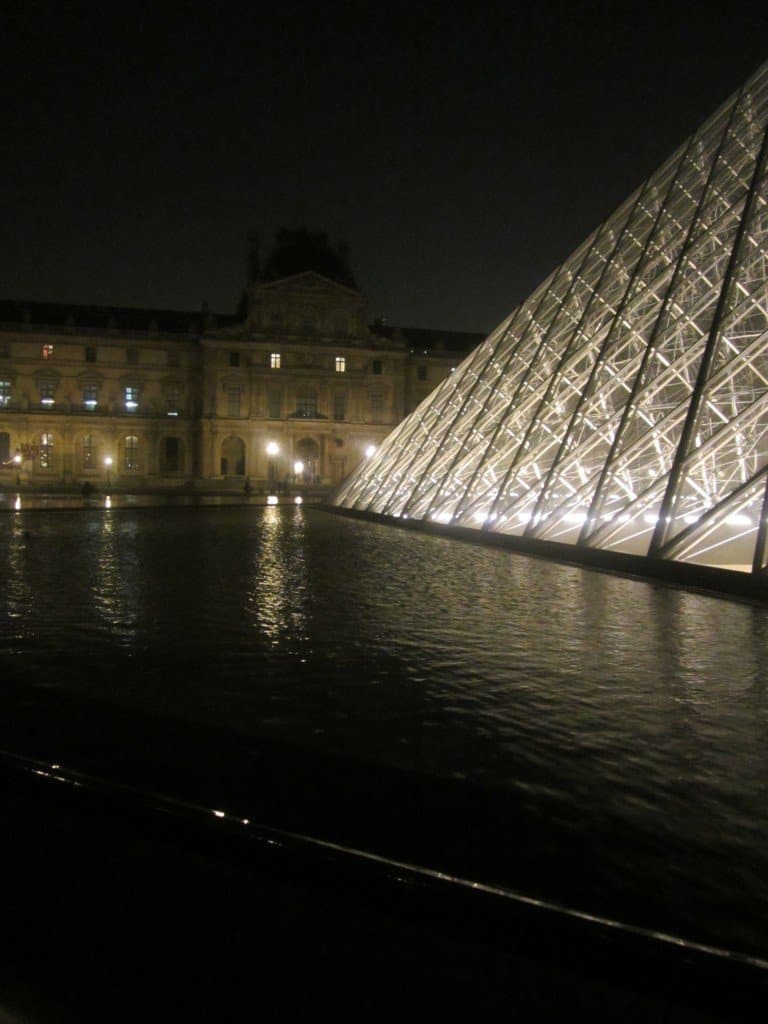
{"x":307,"y":451}
{"x":233,"y":456}
{"x":171,"y":455}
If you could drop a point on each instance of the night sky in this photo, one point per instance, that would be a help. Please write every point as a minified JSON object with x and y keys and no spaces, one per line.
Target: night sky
{"x":461,"y":155}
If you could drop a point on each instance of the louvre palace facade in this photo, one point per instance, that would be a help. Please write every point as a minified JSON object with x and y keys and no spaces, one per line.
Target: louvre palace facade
{"x":294,"y":389}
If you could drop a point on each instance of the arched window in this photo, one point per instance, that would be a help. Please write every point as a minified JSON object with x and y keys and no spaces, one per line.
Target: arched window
{"x":89,"y":454}
{"x":131,"y":452}
{"x":45,"y":458}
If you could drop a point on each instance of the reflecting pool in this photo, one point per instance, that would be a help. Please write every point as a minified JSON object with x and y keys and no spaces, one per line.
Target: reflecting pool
{"x":594,"y":740}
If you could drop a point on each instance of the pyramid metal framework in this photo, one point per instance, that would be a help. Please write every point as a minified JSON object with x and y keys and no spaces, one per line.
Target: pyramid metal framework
{"x":624,"y":404}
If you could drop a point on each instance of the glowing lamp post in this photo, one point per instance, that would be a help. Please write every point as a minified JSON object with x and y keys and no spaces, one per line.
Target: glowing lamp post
{"x":298,"y":469}
{"x":273,"y":450}
{"x":17,"y":463}
{"x":108,"y":466}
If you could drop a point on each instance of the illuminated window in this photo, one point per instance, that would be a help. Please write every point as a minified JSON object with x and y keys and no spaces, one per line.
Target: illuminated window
{"x":132,"y":397}
{"x":132,"y":356}
{"x":233,"y":401}
{"x":47,"y":351}
{"x":131,"y":452}
{"x":341,"y":364}
{"x":274,"y":360}
{"x":45,"y":457}
{"x":90,"y":396}
{"x":89,"y":452}
{"x":339,"y":406}
{"x":47,"y":392}
{"x":90,"y":354}
{"x":234,"y":358}
{"x":5,"y":392}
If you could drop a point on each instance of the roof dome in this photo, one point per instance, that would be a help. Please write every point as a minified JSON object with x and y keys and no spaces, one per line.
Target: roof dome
{"x":296,"y":252}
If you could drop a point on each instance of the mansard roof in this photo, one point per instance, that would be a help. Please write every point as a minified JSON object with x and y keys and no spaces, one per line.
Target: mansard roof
{"x":73,"y":318}
{"x":430,"y":341}
{"x":103,"y":318}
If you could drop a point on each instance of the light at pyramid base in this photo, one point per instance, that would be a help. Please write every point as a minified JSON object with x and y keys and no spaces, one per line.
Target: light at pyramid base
{"x":730,"y":544}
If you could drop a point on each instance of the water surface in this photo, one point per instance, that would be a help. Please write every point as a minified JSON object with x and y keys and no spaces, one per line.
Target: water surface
{"x":622,"y":724}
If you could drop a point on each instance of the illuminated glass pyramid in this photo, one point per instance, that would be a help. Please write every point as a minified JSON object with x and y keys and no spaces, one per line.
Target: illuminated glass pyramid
{"x":624,"y":404}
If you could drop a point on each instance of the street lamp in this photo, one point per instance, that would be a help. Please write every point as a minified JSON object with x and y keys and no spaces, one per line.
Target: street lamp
{"x":108,"y":466}
{"x":298,"y":469}
{"x":17,"y":461}
{"x":370,"y":450}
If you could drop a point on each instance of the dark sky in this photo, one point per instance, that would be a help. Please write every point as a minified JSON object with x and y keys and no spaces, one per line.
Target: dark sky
{"x":462,"y":154}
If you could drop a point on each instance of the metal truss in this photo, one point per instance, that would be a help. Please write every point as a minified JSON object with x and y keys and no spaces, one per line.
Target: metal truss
{"x":624,"y":404}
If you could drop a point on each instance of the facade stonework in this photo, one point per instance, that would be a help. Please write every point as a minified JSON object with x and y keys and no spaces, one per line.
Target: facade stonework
{"x":295,"y":393}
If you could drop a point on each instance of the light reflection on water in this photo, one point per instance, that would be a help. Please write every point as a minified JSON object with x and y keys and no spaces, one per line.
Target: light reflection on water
{"x":622,"y":715}
{"x":277,"y":597}
{"x":117,"y":579}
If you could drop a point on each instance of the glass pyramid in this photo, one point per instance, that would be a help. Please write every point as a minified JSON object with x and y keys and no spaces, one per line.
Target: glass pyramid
{"x":624,"y":404}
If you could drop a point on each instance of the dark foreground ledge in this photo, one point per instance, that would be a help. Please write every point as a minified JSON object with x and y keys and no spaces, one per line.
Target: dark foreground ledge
{"x":707,"y":579}
{"x":120,"y":903}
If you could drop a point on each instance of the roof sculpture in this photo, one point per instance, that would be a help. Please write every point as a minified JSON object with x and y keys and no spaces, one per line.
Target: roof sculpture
{"x":624,"y":405}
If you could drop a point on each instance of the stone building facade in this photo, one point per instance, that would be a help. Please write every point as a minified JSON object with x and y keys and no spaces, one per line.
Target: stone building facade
{"x":293,"y":390}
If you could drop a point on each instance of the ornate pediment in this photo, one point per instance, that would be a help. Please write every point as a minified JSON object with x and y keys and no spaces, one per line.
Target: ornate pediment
{"x":307,"y":304}
{"x":307,"y":283}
